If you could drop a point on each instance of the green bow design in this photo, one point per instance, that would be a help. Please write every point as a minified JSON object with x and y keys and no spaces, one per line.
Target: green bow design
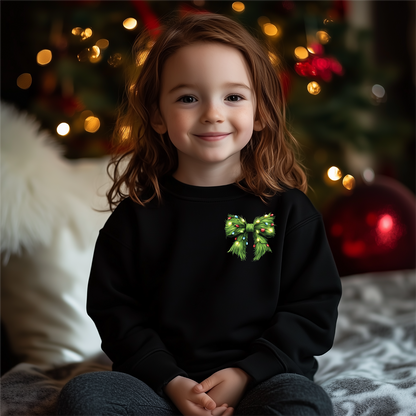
{"x":262,"y":229}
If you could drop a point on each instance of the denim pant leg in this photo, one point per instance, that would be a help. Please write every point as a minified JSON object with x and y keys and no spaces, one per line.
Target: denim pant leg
{"x":286,"y":395}
{"x":111,"y":393}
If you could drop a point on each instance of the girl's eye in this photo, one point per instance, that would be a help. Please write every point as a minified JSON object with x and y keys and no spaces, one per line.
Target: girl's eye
{"x":234,"y":97}
{"x":187,"y":99}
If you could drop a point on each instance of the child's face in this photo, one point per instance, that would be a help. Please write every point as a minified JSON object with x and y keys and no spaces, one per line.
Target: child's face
{"x":200,"y":98}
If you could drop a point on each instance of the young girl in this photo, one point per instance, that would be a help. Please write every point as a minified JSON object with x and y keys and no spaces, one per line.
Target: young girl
{"x":212,"y":285}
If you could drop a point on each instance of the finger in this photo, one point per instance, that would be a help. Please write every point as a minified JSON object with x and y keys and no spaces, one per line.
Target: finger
{"x":205,"y":401}
{"x":229,"y":411}
{"x":219,"y":411}
{"x":207,"y":384}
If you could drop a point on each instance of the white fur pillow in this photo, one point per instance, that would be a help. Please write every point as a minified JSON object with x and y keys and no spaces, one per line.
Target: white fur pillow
{"x":48,"y":232}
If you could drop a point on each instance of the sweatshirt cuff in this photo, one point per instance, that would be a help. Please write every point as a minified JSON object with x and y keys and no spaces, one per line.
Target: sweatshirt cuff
{"x":156,"y":370}
{"x":261,"y":365}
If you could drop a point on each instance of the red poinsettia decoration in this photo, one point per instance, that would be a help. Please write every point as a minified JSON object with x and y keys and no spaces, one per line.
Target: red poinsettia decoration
{"x":317,"y":65}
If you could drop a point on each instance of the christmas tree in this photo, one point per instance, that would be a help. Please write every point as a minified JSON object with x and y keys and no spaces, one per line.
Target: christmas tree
{"x":66,"y":62}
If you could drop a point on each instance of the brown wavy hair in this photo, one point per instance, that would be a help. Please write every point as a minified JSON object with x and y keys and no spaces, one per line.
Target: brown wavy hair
{"x":268,"y":161}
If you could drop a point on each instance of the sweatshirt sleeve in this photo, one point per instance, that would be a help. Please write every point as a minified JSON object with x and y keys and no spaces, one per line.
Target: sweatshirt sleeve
{"x":304,"y":321}
{"x":115,"y":304}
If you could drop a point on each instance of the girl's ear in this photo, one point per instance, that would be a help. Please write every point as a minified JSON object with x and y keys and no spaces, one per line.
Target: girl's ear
{"x":258,"y":125}
{"x":157,"y":122}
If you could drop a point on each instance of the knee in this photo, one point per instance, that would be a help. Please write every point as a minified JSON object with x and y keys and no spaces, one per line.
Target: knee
{"x":103,"y":392}
{"x":287,"y":394}
{"x":80,"y":396}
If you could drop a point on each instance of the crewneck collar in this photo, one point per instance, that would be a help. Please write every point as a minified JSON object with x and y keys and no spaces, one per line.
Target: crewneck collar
{"x":211,"y":193}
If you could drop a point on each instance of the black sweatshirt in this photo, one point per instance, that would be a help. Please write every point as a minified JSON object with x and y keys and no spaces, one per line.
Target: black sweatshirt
{"x":171,"y":293}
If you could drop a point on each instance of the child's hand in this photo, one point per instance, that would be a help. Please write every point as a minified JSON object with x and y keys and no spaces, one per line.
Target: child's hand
{"x":180,"y":391}
{"x":225,"y":386}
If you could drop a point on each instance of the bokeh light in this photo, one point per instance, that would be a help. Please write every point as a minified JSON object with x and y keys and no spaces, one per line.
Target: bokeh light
{"x":314,"y":88}
{"x":44,"y":57}
{"x":301,"y":53}
{"x":378,"y":91}
{"x":323,"y":37}
{"x":63,"y":129}
{"x":130,"y":23}
{"x":91,"y":124}
{"x":368,"y":175}
{"x":24,"y":81}
{"x":334,"y":173}
{"x":102,"y":43}
{"x":262,"y":20}
{"x":270,"y":29}
{"x":348,"y":182}
{"x":238,"y":6}
{"x":115,"y":60}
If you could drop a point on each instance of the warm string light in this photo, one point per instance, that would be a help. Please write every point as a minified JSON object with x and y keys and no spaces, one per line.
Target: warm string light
{"x":24,"y":81}
{"x":63,"y":129}
{"x":313,"y":88}
{"x":323,"y":37}
{"x":334,"y":173}
{"x":271,"y":30}
{"x":301,"y":53}
{"x":238,"y":6}
{"x":91,"y":124}
{"x":348,"y":182}
{"x":44,"y":57}
{"x":130,"y":23}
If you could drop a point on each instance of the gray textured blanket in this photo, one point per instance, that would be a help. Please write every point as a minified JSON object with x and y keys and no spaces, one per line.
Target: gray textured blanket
{"x":371,"y":370}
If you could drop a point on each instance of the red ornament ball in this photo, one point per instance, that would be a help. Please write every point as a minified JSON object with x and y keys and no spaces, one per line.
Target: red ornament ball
{"x":373,"y":228}
{"x":262,"y":230}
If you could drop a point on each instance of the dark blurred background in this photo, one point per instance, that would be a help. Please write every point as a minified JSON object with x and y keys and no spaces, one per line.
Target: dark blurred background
{"x":349,"y":80}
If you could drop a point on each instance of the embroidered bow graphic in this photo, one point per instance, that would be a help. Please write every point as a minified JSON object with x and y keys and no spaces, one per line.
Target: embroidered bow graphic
{"x":262,"y":229}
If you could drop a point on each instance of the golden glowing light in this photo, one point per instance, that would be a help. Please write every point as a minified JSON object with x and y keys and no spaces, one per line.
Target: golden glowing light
{"x":310,"y":49}
{"x":334,"y":173}
{"x":301,"y":53}
{"x":238,"y":6}
{"x":141,"y":57}
{"x":262,"y":20}
{"x":63,"y":129}
{"x":91,"y":124}
{"x":323,"y":37}
{"x":87,"y":33}
{"x":130,"y":23}
{"x":115,"y":60}
{"x":94,"y":54}
{"x":270,"y":29}
{"x":348,"y":182}
{"x":314,"y":88}
{"x":44,"y":57}
{"x":102,"y":43}
{"x":327,"y":21}
{"x":24,"y":81}
{"x":76,"y":31}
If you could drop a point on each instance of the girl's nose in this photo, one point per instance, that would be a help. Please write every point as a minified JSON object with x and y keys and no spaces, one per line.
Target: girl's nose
{"x":212,"y":114}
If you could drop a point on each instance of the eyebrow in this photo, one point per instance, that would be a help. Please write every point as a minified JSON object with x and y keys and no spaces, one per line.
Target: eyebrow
{"x":228,"y":84}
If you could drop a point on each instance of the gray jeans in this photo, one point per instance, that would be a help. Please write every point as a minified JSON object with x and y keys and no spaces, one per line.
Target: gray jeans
{"x":112,"y":393}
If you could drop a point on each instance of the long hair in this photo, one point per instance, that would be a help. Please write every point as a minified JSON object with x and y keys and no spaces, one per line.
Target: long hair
{"x":268,"y":161}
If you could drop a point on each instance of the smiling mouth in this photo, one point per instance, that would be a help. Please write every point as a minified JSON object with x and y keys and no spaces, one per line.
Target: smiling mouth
{"x":212,"y":137}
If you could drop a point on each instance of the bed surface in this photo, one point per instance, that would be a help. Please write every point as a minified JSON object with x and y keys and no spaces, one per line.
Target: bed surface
{"x":371,"y":370}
